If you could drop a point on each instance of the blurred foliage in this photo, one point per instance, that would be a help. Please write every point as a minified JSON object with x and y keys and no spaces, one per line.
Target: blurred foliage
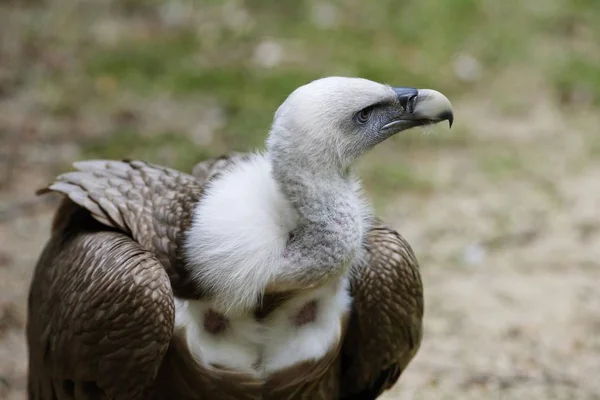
{"x":132,"y":145}
{"x":247,"y":56}
{"x":405,"y":42}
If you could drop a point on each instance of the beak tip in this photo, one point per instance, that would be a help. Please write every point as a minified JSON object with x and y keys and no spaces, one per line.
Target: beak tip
{"x":435,"y":105}
{"x":450,"y":120}
{"x":449,"y":116}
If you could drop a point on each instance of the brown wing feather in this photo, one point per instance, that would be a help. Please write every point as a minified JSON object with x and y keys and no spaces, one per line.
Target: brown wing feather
{"x":149,"y":203}
{"x":101,"y":313}
{"x":385,"y":327}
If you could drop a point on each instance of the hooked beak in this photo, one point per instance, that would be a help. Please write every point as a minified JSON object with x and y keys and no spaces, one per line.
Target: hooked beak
{"x":419,"y":107}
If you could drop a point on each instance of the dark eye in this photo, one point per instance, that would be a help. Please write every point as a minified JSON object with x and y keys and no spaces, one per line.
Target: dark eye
{"x":364,"y":115}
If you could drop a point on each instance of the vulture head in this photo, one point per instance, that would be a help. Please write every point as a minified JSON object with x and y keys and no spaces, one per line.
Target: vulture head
{"x":332,"y":121}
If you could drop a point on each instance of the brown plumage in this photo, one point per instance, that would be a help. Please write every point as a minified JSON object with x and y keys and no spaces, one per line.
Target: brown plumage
{"x":101,"y":314}
{"x":258,"y":276}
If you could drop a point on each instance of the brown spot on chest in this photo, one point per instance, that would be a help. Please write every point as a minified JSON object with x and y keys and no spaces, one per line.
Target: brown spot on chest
{"x":306,"y":315}
{"x":214,"y":322}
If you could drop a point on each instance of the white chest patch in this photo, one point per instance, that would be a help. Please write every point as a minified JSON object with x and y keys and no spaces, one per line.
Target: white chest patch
{"x":260,"y":348}
{"x":239,"y":231}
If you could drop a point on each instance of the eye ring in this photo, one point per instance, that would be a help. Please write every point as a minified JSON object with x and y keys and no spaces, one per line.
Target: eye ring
{"x":364,"y":115}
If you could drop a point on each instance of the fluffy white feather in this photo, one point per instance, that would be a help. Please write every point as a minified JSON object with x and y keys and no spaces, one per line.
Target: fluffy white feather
{"x":261,"y":348}
{"x":237,"y":348}
{"x":239,"y":230}
{"x":289,"y":344}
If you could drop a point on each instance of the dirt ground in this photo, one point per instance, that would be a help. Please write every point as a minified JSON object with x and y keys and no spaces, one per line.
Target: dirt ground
{"x":510,"y":272}
{"x":507,"y":227}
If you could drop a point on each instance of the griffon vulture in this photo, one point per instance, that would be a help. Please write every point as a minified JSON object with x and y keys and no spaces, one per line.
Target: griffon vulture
{"x":259,"y":276}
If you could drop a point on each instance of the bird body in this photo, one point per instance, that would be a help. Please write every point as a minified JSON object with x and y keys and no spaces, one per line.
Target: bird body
{"x":258,"y":276}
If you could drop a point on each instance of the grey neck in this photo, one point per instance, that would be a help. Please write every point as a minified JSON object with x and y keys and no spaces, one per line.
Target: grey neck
{"x":329,"y":232}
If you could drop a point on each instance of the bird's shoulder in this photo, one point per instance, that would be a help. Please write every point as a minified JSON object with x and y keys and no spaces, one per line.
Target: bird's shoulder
{"x":151,"y":204}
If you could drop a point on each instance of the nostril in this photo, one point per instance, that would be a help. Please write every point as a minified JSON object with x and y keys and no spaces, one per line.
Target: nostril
{"x":411,"y":103}
{"x":408,"y":102}
{"x":407,"y":97}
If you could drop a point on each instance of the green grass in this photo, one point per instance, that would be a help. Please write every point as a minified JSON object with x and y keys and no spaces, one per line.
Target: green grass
{"x":578,"y":74}
{"x":173,"y":149}
{"x":383,"y":179}
{"x":501,"y":163}
{"x":407,"y":42}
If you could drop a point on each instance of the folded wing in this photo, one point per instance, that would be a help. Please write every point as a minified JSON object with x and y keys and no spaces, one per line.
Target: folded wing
{"x":101,"y":313}
{"x":385,"y":327}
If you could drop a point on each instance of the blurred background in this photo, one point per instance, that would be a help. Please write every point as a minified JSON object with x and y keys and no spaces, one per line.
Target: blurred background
{"x":502,"y":210}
